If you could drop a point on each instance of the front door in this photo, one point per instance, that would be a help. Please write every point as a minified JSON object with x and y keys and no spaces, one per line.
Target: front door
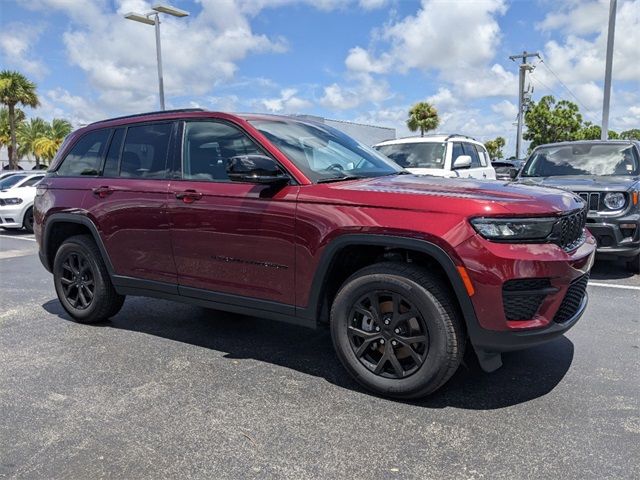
{"x":230,"y":239}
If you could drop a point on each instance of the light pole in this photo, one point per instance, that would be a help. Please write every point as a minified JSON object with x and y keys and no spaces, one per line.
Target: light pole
{"x":153,"y":18}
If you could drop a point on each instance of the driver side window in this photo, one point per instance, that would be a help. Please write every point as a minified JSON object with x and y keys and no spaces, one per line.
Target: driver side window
{"x":207,"y":148}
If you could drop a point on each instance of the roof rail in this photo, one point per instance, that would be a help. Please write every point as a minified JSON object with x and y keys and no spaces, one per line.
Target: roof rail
{"x":451,"y":135}
{"x":177,"y":110}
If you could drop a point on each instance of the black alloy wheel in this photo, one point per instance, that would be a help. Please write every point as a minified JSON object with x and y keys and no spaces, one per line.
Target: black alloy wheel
{"x":77,"y":280}
{"x":388,"y":335}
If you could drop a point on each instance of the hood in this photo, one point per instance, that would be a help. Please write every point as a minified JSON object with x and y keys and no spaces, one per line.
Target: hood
{"x":435,"y":172}
{"x":584,"y":183}
{"x":452,"y":195}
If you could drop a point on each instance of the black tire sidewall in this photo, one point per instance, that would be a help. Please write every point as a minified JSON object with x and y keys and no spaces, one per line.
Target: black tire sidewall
{"x":28,"y":226}
{"x":86,"y":315}
{"x":423,"y":300}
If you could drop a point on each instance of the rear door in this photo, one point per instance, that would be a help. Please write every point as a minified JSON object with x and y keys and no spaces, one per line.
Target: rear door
{"x":229,"y":238}
{"x":487,"y":170}
{"x":128,"y":202}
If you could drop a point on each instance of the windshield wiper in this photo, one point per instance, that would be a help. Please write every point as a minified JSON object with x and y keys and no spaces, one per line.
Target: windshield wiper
{"x":339,"y":179}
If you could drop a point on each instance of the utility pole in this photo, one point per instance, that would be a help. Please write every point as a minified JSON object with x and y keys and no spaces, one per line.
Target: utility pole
{"x":604,"y":135}
{"x":524,"y":68}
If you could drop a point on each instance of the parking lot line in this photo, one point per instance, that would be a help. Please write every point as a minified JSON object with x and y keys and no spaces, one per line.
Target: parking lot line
{"x":613,"y":285}
{"x":18,"y":238}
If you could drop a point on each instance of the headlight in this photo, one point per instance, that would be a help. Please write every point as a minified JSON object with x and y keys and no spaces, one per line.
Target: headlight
{"x":514,"y":228}
{"x":12,"y":201}
{"x":614,"y":201}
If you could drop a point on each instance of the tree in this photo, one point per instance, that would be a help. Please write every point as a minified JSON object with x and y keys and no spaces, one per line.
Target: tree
{"x":589,"y":131}
{"x":633,"y":134}
{"x":494,"y":147}
{"x":5,"y":129}
{"x":48,"y":144}
{"x":548,"y":121}
{"x":16,"y":89}
{"x":28,"y":133}
{"x":424,"y":117}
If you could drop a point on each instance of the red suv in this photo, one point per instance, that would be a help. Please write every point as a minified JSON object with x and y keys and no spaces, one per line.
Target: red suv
{"x":293,"y":220}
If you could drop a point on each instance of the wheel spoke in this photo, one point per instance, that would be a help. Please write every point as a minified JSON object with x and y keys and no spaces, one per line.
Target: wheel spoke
{"x":395,"y":363}
{"x":413,"y":339}
{"x":362,"y":333}
{"x":88,"y":293}
{"x":67,"y":266}
{"x":375,"y":307}
{"x":83,"y":299}
{"x":381,"y":363}
{"x":66,"y":281}
{"x":415,"y":355}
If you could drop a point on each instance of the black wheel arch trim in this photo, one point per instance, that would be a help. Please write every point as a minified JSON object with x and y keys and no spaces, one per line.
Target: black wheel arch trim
{"x":424,"y":246}
{"x":71,"y":218}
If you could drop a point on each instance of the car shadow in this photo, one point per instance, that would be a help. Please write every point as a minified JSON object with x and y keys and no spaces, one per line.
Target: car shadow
{"x":610,"y":270}
{"x":525,"y":375}
{"x":14,"y":232}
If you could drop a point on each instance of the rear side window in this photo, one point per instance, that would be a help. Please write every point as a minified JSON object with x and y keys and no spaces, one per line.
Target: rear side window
{"x":484,"y":156}
{"x":32,"y":181}
{"x":86,"y":156}
{"x":112,"y":162}
{"x":145,"y":151}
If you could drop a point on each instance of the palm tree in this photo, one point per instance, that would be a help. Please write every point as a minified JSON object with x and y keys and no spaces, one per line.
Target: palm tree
{"x":424,"y":117}
{"x":28,"y":133}
{"x":5,"y":129}
{"x":47,"y":145}
{"x":16,"y":89}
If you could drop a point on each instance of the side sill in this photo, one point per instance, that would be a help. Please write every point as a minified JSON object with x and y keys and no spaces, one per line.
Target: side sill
{"x":215,"y":300}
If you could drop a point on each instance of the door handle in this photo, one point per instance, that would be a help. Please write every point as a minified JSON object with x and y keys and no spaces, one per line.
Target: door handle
{"x":102,"y":191}
{"x":188,"y":196}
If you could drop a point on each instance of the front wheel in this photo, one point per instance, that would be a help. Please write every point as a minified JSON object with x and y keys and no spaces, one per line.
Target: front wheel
{"x":395,"y":328}
{"x":82,"y":281}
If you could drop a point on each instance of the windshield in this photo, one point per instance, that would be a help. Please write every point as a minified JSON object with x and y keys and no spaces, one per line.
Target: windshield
{"x":583,"y":159}
{"x":324,"y":153}
{"x":11,"y":181}
{"x":416,"y":155}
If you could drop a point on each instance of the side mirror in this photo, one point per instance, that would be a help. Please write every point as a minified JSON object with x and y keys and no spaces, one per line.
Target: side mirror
{"x":255,"y":169}
{"x":513,"y":173}
{"x":463,"y":161}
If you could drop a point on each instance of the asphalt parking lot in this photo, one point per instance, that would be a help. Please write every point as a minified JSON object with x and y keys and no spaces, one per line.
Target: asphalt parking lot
{"x":166,"y":390}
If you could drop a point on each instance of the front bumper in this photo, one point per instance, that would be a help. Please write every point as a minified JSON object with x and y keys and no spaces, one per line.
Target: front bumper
{"x":11,"y":216}
{"x":490,"y":265}
{"x":614,"y":240}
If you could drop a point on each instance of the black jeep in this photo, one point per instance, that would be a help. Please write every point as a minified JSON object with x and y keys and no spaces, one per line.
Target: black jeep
{"x":606,"y":175}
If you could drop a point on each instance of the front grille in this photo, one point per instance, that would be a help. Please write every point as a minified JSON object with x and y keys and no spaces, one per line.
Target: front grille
{"x":521,"y":298}
{"x":572,"y":300}
{"x":571,"y":230}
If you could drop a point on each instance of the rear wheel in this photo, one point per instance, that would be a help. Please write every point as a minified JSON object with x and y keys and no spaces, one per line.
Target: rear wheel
{"x":396,"y":330}
{"x":82,"y":281}
{"x":27,"y":223}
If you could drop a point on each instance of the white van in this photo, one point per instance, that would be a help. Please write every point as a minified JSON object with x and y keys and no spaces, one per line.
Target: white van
{"x":440,"y":155}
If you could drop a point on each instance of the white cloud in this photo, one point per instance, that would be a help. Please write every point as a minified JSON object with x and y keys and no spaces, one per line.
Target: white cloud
{"x":360,"y":60}
{"x":362,"y":88}
{"x":287,"y":102}
{"x":443,"y":98}
{"x":372,"y":4}
{"x":505,"y":109}
{"x":16,"y":44}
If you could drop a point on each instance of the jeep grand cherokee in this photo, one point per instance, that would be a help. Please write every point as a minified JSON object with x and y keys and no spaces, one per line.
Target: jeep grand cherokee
{"x":293,"y":220}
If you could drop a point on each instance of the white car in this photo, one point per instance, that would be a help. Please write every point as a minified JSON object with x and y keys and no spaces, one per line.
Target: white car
{"x":440,"y":155}
{"x":17,"y":193}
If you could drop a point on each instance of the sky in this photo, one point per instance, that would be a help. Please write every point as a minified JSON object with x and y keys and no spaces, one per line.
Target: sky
{"x":366,"y":61}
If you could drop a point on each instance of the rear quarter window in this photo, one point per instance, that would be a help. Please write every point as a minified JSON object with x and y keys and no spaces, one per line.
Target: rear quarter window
{"x":85,"y":157}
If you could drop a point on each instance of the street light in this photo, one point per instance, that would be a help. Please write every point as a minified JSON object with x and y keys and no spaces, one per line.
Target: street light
{"x":153,"y":18}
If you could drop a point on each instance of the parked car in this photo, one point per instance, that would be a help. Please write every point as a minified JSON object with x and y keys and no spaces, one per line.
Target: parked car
{"x":17,"y":193}
{"x":5,"y":174}
{"x":507,"y":169}
{"x":293,"y":220}
{"x":440,"y":155}
{"x":606,"y":175}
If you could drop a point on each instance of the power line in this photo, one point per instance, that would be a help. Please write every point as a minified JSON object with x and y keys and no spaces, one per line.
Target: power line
{"x":568,"y":89}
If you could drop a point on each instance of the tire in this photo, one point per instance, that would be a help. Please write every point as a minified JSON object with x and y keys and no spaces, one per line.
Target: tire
{"x":633,"y":264}
{"x":430,"y":318}
{"x":78,"y":271}
{"x":27,"y":222}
